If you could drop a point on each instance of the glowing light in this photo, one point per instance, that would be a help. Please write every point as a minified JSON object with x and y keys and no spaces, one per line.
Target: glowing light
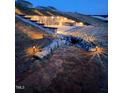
{"x":97,"y":52}
{"x":80,"y":24}
{"x":31,"y":51}
{"x":18,"y":11}
{"x":61,"y":32}
{"x":72,"y":21}
{"x":65,"y":18}
{"x":35,"y":35}
{"x":52,"y":17}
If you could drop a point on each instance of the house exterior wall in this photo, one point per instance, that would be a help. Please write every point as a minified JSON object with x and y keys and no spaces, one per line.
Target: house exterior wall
{"x":54,"y":20}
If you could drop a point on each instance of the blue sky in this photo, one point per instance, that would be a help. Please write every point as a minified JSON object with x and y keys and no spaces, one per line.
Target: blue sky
{"x":83,"y":6}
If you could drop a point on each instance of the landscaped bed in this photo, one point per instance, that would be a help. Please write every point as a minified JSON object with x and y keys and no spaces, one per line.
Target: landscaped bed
{"x":28,"y":37}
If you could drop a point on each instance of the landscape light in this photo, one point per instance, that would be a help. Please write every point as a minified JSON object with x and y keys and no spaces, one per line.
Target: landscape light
{"x":31,"y":51}
{"x":97,"y":52}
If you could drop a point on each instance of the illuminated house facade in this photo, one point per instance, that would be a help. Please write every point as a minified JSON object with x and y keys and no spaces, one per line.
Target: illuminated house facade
{"x":44,"y":15}
{"x":54,"y":21}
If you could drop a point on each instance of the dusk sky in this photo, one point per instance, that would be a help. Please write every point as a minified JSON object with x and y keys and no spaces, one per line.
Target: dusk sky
{"x":97,"y":7}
